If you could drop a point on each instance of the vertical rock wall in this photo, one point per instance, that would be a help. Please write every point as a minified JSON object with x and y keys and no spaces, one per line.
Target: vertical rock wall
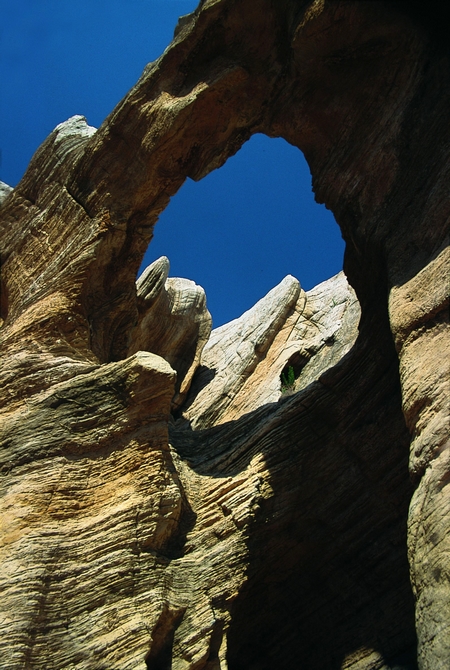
{"x":258,"y":535}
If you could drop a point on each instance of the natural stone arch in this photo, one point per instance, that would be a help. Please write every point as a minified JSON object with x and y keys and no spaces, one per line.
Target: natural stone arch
{"x":263,"y":189}
{"x":210,"y":102}
{"x":361,"y":103}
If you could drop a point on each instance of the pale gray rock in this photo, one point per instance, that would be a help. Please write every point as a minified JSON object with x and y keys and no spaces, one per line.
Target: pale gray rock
{"x":75,"y":126}
{"x":326,"y":329}
{"x":242,"y":363}
{"x":232,"y":355}
{"x":5,"y":190}
{"x":174,"y":322}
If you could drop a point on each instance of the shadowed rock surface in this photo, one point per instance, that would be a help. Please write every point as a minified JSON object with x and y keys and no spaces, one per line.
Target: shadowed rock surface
{"x":249,"y":530}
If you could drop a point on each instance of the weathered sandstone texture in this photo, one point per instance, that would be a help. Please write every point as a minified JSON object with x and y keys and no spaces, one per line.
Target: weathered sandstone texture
{"x":243,"y":360}
{"x":173,"y":322}
{"x":163,"y":504}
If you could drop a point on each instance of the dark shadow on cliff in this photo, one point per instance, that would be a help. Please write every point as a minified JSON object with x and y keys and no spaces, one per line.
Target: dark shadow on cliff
{"x":160,"y":655}
{"x":202,"y":377}
{"x":328,"y":572}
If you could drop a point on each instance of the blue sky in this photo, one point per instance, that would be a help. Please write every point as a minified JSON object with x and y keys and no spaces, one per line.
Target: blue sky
{"x":237,"y":232}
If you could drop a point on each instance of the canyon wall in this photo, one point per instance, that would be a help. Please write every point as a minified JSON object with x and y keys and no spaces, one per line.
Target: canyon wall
{"x":164,"y":503}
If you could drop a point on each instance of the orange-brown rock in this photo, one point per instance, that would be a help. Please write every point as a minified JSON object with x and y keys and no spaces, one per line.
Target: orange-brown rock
{"x":248,"y":531}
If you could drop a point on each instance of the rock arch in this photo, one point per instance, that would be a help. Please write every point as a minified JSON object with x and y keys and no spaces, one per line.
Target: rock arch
{"x":362,"y":88}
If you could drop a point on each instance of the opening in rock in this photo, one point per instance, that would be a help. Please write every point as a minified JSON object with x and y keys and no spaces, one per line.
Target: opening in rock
{"x":244,"y":227}
{"x":291,"y":372}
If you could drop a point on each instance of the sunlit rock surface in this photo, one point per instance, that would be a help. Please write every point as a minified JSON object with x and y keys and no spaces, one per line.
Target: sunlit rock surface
{"x":150,"y":521}
{"x":243,"y":361}
{"x":174,"y":322}
{"x":5,"y":190}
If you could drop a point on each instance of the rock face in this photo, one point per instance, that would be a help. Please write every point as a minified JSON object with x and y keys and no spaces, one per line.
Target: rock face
{"x":164,"y":505}
{"x":243,"y":361}
{"x":5,"y":190}
{"x":174,"y":322}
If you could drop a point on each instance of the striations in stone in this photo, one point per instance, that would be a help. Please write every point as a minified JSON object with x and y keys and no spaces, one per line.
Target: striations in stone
{"x":5,"y":190}
{"x":242,"y":363}
{"x":173,"y":322}
{"x":231,"y":357}
{"x":86,"y":489}
{"x":250,"y":530}
{"x":419,"y":310}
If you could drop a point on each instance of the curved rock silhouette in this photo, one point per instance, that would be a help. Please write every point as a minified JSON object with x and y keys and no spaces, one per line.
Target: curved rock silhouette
{"x":276,"y":535}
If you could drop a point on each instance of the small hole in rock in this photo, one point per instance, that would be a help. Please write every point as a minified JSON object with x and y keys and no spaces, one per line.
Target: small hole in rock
{"x":291,"y":372}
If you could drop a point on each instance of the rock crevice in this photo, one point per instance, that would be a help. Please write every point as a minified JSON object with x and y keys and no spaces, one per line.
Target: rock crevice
{"x":247,"y":529}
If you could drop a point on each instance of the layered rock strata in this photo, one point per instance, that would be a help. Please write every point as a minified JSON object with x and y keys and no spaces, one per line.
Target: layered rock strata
{"x":266,"y":531}
{"x":173,"y":322}
{"x":244,"y":361}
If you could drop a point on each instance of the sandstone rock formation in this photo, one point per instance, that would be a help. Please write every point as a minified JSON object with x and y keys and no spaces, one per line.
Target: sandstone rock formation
{"x":206,"y":522}
{"x":5,"y":190}
{"x":243,"y":361}
{"x":174,"y":322}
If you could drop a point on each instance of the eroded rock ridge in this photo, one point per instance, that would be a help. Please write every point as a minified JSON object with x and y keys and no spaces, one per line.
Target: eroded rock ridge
{"x":164,"y":504}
